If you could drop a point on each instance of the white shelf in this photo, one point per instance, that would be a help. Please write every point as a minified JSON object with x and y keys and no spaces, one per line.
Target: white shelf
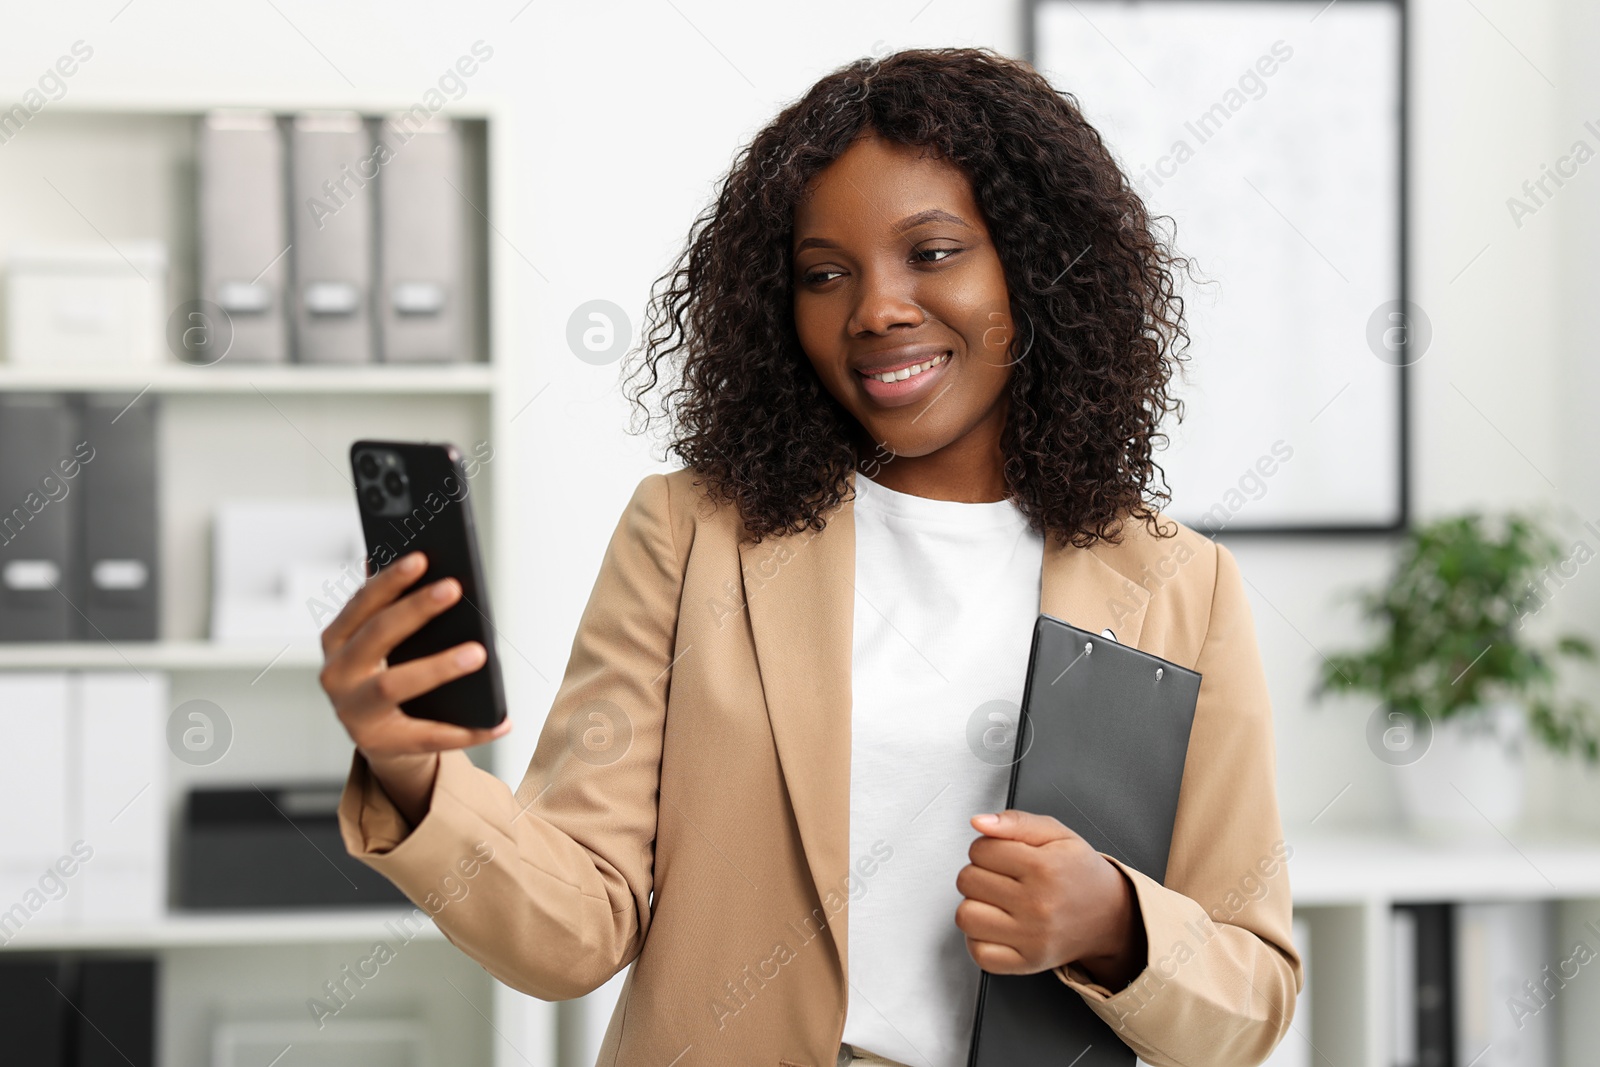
{"x":159,"y":655}
{"x":1355,"y":870}
{"x":232,"y":928}
{"x":136,"y":100}
{"x":461,"y":379}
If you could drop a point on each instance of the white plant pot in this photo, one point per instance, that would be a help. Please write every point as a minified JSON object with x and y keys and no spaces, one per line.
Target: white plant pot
{"x":1469,"y":784}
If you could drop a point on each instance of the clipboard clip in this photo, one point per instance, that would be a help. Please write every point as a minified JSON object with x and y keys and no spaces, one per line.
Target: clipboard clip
{"x":1107,"y":633}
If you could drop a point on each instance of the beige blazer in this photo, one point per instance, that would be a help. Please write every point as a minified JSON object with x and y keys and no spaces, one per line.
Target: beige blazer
{"x":687,"y":806}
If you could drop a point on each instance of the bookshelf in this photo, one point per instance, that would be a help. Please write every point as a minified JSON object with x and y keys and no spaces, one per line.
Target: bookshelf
{"x":124,"y":169}
{"x":1346,"y":885}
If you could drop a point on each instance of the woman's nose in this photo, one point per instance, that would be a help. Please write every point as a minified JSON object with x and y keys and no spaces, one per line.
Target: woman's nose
{"x":883,"y":302}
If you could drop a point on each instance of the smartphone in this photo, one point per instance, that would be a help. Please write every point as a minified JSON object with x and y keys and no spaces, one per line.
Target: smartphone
{"x":416,"y":497}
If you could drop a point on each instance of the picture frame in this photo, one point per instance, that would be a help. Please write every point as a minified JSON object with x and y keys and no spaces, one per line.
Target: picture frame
{"x":1268,"y":141}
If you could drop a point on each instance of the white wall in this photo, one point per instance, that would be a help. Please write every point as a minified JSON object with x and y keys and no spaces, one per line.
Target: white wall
{"x":1500,"y":413}
{"x":1574,"y":220}
{"x":626,"y":113}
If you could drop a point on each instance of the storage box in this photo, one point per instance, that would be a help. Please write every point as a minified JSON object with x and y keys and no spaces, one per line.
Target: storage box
{"x":282,"y":569}
{"x":86,"y":304}
{"x":272,"y":847}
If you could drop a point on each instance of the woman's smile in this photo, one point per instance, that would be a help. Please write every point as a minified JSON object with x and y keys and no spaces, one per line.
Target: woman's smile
{"x":904,"y":382}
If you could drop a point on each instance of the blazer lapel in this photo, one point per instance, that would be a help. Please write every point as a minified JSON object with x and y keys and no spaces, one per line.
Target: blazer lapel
{"x":799,"y":590}
{"x":1078,"y":587}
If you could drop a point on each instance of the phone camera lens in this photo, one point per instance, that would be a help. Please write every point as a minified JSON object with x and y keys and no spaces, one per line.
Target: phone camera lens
{"x":373,"y":496}
{"x":367,"y":465}
{"x":395,"y":483}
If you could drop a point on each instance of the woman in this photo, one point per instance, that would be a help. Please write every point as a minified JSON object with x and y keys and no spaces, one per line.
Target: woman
{"x":922,"y":340}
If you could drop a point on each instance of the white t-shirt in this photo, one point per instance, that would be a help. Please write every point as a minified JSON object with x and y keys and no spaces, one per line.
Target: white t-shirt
{"x":946,"y":598}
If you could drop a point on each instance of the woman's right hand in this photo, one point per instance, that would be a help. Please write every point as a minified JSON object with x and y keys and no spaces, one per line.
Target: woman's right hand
{"x":366,"y":692}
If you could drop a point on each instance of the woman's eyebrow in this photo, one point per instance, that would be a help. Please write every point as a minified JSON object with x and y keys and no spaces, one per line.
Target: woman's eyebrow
{"x":932,"y":214}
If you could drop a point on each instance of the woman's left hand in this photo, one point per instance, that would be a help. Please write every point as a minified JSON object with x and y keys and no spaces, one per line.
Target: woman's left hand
{"x":1039,"y":896}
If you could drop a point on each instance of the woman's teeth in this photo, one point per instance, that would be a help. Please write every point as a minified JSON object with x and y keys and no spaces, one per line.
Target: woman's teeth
{"x":905,"y":372}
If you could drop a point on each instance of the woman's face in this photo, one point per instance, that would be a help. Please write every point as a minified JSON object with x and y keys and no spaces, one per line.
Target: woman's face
{"x":894,"y":270}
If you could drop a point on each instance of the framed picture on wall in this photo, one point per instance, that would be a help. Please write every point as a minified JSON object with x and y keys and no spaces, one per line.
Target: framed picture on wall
{"x":1268,"y":138}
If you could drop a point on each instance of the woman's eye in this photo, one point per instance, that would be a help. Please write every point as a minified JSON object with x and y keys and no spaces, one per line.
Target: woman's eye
{"x":942,"y":252}
{"x":818,"y":276}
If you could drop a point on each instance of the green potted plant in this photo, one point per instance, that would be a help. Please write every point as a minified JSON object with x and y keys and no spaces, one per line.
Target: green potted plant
{"x":1460,"y":680}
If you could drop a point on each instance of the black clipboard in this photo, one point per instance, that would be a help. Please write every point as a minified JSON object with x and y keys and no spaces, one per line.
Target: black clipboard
{"x":1101,"y":743}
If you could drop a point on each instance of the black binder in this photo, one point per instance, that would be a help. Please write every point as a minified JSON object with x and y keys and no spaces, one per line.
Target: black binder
{"x":33,"y":1016}
{"x":1101,"y":744}
{"x":72,"y":1010}
{"x":1433,"y":997}
{"x":38,"y":517}
{"x":119,"y":576}
{"x":115,"y":1016}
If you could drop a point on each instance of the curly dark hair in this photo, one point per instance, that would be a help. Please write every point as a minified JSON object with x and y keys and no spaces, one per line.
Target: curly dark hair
{"x":1090,"y":284}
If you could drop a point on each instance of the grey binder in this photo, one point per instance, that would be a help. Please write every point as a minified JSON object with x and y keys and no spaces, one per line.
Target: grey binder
{"x":1102,"y":741}
{"x":38,"y":524}
{"x":120,"y":571}
{"x":243,"y":234}
{"x":332,"y":169}
{"x":422,"y":243}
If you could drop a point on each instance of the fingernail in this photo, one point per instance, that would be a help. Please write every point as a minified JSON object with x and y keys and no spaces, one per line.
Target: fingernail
{"x":470,"y":656}
{"x":412,"y":562}
{"x":444,"y":590}
{"x":986,"y":820}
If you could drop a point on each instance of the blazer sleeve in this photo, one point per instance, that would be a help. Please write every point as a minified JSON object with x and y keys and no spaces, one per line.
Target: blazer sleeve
{"x":549,"y":887}
{"x":1219,"y":983}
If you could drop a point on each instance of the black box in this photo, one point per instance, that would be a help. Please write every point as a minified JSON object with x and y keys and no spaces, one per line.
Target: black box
{"x":272,"y":847}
